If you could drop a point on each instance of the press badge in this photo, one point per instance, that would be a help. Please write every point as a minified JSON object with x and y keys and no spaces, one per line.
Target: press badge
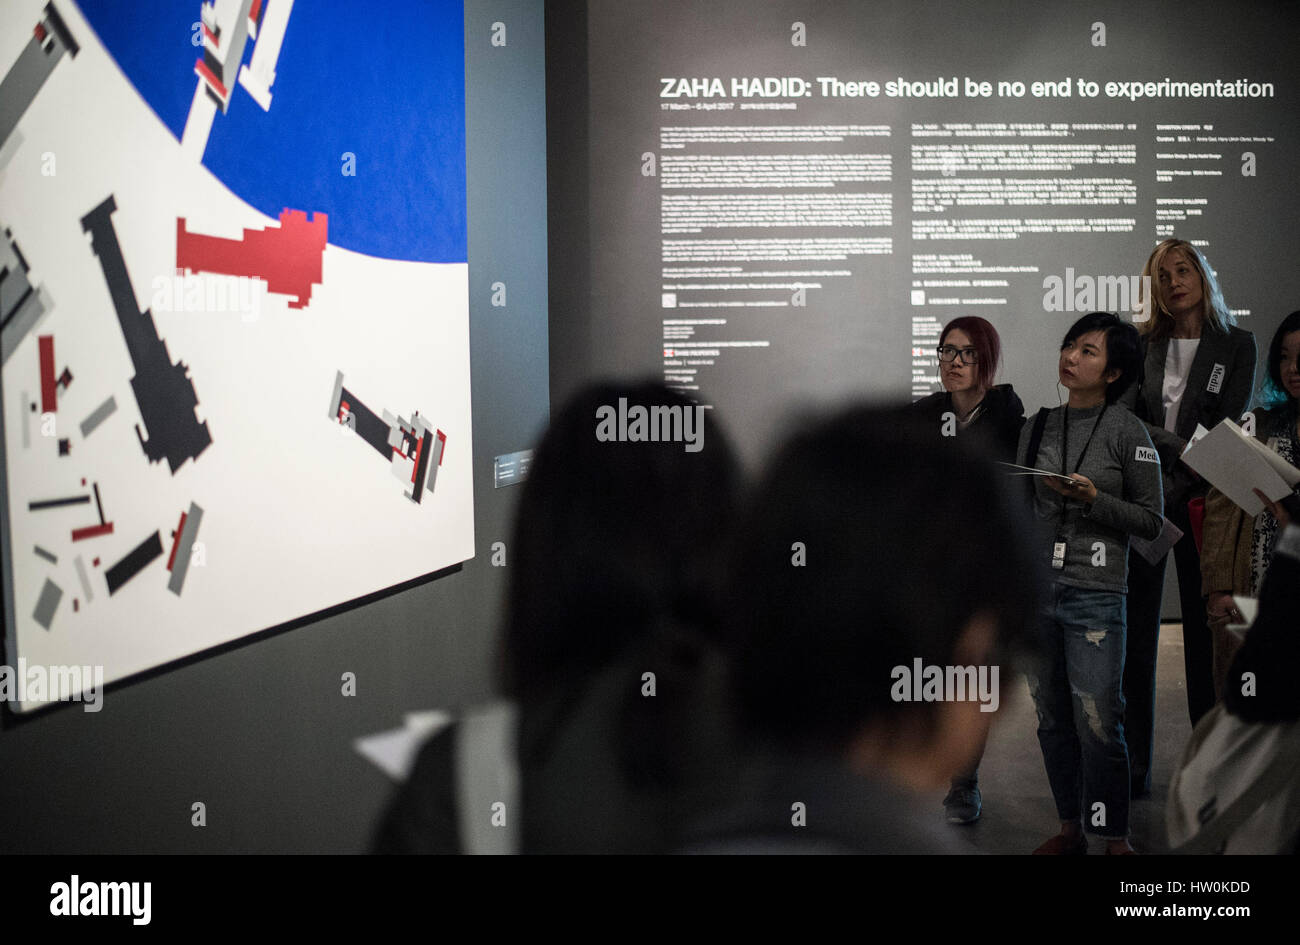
{"x":1058,"y":555}
{"x":1216,"y":379}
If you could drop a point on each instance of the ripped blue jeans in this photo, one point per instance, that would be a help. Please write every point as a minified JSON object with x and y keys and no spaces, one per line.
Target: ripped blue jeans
{"x":1077,"y":686}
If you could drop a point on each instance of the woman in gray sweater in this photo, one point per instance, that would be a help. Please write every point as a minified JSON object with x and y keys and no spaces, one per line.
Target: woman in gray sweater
{"x":1108,"y":487}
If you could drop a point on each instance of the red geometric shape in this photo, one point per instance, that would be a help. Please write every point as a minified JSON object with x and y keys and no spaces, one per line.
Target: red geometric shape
{"x":40,"y":32}
{"x":208,"y":34}
{"x":176,"y":541}
{"x":207,"y":76}
{"x":288,"y":258}
{"x":92,"y":531}
{"x":442,"y":453}
{"x":49,"y":385}
{"x":419,"y":448}
{"x":95,"y":562}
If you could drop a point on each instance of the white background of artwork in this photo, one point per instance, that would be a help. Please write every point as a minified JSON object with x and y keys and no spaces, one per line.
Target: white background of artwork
{"x":298,"y":514}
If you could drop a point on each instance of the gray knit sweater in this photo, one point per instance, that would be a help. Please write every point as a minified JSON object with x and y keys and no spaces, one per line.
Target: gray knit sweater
{"x":1125,"y":468}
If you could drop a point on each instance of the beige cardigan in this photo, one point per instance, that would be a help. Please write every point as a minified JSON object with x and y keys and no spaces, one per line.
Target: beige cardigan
{"x":1228,"y":532}
{"x":1226,"y":539}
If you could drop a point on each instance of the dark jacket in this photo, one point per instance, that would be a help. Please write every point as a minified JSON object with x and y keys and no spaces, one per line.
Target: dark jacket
{"x":1271,"y":650}
{"x":777,"y":803}
{"x":1219,"y":385}
{"x":602,"y":767}
{"x":996,"y":430}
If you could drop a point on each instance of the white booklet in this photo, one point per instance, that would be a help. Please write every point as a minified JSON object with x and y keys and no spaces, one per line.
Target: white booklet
{"x":1014,"y":470}
{"x":1235,"y":463}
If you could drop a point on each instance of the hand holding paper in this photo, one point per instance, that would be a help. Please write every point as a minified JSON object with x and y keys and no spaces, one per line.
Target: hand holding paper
{"x":1237,"y":464}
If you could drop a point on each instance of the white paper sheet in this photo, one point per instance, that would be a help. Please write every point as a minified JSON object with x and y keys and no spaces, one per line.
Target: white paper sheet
{"x":1235,"y":463}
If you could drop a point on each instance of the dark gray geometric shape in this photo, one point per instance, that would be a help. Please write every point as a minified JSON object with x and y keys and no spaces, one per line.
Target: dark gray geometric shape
{"x":98,"y":416}
{"x":133,"y":563}
{"x":185,"y":544}
{"x":24,"y":401}
{"x":435,"y":459}
{"x":83,"y":578}
{"x":47,"y":603}
{"x":42,"y":504}
{"x":22,"y":306}
{"x":47,"y":555}
{"x":336,"y":397}
{"x":163,"y":390}
{"x":25,"y":78}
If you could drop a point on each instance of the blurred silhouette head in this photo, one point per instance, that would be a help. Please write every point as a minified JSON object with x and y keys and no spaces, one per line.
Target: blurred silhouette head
{"x":613,"y":540}
{"x":865,"y":547}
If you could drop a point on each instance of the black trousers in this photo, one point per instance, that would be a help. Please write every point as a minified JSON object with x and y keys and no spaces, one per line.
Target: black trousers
{"x":1145,"y":589}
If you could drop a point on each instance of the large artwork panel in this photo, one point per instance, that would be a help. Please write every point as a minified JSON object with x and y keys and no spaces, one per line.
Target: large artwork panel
{"x":234,"y":291}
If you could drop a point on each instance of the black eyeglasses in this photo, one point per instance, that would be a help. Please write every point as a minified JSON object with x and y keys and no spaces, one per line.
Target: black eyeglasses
{"x":948,"y":354}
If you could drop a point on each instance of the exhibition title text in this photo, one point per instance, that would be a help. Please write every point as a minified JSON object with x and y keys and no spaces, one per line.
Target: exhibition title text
{"x":954,"y":87}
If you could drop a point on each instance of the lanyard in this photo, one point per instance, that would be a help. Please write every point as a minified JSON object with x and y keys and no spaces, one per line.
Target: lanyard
{"x":1065,"y":443}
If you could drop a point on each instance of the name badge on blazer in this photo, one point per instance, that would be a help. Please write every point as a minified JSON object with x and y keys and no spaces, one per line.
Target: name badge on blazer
{"x":1216,"y":379}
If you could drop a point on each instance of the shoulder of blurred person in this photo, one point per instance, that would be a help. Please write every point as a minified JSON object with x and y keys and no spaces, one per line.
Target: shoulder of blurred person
{"x":933,"y":405}
{"x":789,"y":805}
{"x":994,"y":431}
{"x":604,"y":766}
{"x":607,"y":769}
{"x":422,"y":816}
{"x":1261,"y":681}
{"x":997,"y":427}
{"x":1237,"y":787}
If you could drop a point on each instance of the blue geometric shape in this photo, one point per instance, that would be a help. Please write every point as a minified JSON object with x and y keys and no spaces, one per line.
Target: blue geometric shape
{"x":385,"y":82}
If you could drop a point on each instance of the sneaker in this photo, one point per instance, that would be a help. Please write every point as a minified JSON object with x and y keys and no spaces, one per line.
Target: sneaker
{"x":963,"y":803}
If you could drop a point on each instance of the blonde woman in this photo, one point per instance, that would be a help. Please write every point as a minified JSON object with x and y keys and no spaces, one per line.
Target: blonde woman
{"x":1198,"y":369}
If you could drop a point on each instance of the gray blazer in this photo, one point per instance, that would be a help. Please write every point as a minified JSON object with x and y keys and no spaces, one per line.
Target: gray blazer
{"x":1219,"y":385}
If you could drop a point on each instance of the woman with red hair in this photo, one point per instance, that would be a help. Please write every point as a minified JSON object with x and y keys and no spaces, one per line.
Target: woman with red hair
{"x":970,"y":404}
{"x":990,"y":415}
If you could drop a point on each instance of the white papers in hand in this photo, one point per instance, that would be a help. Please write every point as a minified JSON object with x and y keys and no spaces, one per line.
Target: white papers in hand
{"x":1235,"y":463}
{"x":1013,"y":470}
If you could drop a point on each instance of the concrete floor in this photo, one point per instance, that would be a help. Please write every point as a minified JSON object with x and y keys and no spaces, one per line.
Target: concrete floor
{"x":1018,"y":810}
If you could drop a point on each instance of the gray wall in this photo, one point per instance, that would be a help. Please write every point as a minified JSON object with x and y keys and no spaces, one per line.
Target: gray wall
{"x":261,"y":734}
{"x":853,"y":337}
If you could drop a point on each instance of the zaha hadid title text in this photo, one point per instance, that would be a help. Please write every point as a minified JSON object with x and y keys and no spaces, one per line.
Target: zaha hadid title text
{"x":953,"y":87}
